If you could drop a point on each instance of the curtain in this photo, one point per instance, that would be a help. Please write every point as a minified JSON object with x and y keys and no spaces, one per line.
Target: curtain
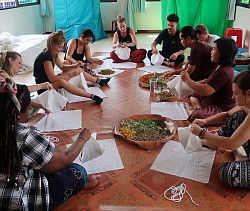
{"x":73,"y":16}
{"x":44,"y":8}
{"x":133,"y":7}
{"x":193,"y":12}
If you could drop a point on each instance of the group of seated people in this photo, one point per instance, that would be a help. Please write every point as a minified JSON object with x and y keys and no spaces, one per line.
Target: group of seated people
{"x":35,"y":174}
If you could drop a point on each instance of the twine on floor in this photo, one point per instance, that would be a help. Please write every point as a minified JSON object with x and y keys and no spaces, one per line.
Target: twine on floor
{"x":178,"y":193}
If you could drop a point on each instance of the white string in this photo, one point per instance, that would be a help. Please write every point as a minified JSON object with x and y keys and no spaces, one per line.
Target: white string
{"x":177,"y":193}
{"x":52,"y":139}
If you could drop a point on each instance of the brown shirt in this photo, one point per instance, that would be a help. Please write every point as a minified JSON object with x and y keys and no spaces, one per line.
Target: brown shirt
{"x":221,"y":80}
{"x":200,"y":56}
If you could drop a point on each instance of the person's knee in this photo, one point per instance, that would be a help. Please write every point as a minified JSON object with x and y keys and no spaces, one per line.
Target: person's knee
{"x":225,"y":175}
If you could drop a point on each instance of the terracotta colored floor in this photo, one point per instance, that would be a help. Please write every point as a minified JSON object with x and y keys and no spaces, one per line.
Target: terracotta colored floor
{"x":136,"y":187}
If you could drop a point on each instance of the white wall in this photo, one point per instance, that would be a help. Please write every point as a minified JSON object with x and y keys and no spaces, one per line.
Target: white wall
{"x":23,"y":20}
{"x":150,"y":20}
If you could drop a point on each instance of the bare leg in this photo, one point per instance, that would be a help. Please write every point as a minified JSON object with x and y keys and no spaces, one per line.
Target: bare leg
{"x":92,"y":181}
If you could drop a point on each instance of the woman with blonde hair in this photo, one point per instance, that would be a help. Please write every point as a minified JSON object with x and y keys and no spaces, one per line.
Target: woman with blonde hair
{"x":125,"y":37}
{"x":44,"y":69}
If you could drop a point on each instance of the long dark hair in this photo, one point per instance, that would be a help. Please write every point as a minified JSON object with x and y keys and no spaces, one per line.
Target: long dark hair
{"x":228,"y":49}
{"x":10,"y":158}
{"x":88,"y":33}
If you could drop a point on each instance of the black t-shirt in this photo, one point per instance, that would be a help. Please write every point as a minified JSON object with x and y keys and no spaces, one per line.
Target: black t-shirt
{"x":39,"y":71}
{"x":127,"y":38}
{"x":171,"y":44}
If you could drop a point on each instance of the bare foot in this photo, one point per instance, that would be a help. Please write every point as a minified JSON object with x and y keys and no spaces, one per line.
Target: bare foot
{"x":92,"y":181}
{"x":189,"y":108}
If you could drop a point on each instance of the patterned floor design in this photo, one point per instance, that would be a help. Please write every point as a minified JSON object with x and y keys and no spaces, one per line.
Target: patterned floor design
{"x":136,"y":187}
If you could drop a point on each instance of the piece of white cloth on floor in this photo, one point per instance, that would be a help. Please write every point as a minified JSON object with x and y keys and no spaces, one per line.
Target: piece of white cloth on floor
{"x":124,"y":65}
{"x":63,"y":120}
{"x":52,"y":100}
{"x":172,"y":110}
{"x":108,"y":161}
{"x":80,"y":82}
{"x":174,"y":160}
{"x":189,"y":141}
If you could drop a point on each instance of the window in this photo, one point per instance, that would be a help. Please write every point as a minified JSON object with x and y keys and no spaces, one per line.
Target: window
{"x":244,"y":3}
{"x":7,"y":4}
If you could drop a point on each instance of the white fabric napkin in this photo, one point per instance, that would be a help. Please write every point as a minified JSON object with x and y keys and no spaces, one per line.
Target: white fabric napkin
{"x":190,"y":142}
{"x":157,"y":59}
{"x":179,"y":88}
{"x":175,"y":161}
{"x":52,"y":100}
{"x":91,"y":150}
{"x":79,"y":81}
{"x":123,"y":53}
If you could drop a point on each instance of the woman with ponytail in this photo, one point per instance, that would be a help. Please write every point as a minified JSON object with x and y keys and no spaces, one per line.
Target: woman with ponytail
{"x":34,"y":173}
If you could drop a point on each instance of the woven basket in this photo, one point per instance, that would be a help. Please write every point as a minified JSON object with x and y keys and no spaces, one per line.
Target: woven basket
{"x":148,"y":144}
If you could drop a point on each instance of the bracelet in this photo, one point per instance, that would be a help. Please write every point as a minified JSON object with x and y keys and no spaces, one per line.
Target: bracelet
{"x":204,"y":130}
{"x":80,"y":137}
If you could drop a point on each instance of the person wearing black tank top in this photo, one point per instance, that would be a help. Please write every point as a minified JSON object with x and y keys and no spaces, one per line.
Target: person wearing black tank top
{"x":125,"y":37}
{"x":78,"y":50}
{"x":44,"y":69}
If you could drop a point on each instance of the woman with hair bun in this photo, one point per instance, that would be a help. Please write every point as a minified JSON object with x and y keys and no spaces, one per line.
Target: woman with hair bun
{"x":44,"y":69}
{"x":125,"y":37}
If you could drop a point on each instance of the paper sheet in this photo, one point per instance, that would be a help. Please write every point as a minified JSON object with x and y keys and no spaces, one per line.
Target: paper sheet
{"x":93,"y":90}
{"x":106,"y":64}
{"x":52,"y":100}
{"x":157,"y":69}
{"x":122,"y":65}
{"x":108,"y":161}
{"x":63,"y":120}
{"x":175,"y":161}
{"x":172,"y":110}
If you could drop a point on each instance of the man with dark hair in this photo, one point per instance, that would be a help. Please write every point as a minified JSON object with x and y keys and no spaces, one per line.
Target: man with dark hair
{"x":172,"y":49}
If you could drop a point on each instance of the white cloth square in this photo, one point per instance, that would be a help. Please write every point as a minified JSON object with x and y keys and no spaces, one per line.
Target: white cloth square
{"x":179,"y":88}
{"x":63,"y":120}
{"x":175,"y":161}
{"x":91,"y":150}
{"x":189,"y":141}
{"x":52,"y":100}
{"x":157,"y":59}
{"x":172,"y":110}
{"x":123,"y":53}
{"x":108,"y":161}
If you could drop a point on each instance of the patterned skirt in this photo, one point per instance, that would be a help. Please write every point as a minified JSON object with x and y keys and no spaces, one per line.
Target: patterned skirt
{"x":237,"y":173}
{"x":65,"y":183}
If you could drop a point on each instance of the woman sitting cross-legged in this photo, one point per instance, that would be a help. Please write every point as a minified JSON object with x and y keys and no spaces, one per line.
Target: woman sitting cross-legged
{"x":34,"y":174}
{"x":233,"y":134}
{"x":44,"y":69}
{"x":125,"y":37}
{"x":214,"y":95}
{"x":78,"y":50}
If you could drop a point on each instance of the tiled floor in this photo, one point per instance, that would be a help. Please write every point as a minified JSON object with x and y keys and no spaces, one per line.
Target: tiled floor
{"x":136,"y":187}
